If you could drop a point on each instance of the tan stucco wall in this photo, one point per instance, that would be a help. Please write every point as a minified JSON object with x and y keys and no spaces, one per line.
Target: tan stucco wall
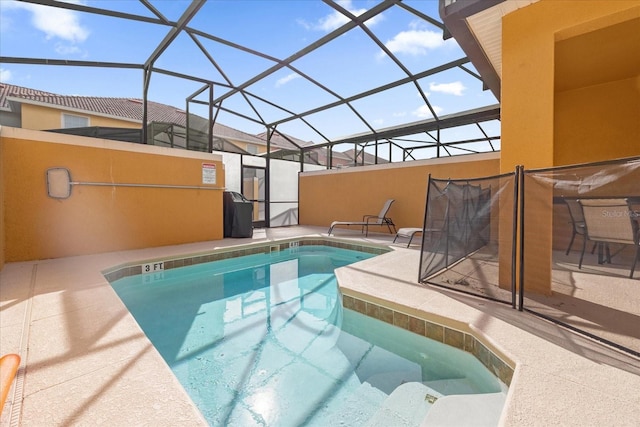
{"x":542,"y":127}
{"x":347,"y":194}
{"x":102,"y":218}
{"x":38,"y":117}
{"x":598,"y":122}
{"x":556,"y":111}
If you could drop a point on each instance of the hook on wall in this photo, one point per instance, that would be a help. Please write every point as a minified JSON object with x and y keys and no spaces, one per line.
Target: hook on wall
{"x":59,"y":183}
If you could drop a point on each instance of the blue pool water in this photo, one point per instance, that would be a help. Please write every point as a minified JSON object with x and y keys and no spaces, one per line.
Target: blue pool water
{"x":263,"y":340}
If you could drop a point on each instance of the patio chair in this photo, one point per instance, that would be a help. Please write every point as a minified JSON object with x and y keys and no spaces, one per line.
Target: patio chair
{"x":610,"y":221}
{"x":577,"y":220}
{"x":381,"y":219}
{"x":408,"y":233}
{"x":437,"y":226}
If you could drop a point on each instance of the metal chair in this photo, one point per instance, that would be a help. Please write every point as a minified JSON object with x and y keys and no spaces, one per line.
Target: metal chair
{"x":610,"y":221}
{"x":381,"y":219}
{"x":577,"y":220}
{"x":407,"y":232}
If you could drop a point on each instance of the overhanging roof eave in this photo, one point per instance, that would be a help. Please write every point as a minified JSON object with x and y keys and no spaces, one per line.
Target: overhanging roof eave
{"x":454,"y":15}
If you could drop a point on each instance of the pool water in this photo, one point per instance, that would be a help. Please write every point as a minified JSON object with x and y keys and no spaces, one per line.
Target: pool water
{"x":263,"y":340}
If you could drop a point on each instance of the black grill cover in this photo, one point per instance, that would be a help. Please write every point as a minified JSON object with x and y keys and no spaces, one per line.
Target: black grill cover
{"x":238,"y":215}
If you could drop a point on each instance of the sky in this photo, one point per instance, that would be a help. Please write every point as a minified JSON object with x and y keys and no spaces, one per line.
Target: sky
{"x":344,"y":67}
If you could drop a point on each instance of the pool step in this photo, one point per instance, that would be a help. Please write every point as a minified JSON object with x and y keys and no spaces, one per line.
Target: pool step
{"x":415,"y":404}
{"x":407,"y":406}
{"x":466,"y":409}
{"x":357,"y":408}
{"x":452,"y":386}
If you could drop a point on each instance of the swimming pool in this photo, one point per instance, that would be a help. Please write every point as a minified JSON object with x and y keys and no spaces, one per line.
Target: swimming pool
{"x":264,"y":340}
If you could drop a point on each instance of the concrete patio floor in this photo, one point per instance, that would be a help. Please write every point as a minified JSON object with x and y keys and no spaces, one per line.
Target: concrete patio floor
{"x":599,"y":299}
{"x":85,"y":361}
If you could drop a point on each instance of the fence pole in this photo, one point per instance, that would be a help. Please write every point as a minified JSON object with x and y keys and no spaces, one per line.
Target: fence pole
{"x":424,"y":228}
{"x":514,"y":233}
{"x":522,"y":223}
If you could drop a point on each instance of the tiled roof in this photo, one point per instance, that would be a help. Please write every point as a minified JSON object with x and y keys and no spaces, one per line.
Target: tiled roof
{"x":126,"y":108}
{"x":344,"y":157}
{"x":280,"y":140}
{"x":369,"y":159}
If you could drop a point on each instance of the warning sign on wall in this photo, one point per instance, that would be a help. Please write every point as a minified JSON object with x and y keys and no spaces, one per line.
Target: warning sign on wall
{"x":208,"y":173}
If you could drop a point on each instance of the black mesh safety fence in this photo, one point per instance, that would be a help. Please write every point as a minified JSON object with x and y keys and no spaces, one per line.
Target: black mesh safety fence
{"x":581,"y":249}
{"x":563,"y":241}
{"x":468,"y":236}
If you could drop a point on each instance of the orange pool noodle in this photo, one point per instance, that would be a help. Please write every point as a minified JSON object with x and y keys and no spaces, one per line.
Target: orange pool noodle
{"x":8,"y":367}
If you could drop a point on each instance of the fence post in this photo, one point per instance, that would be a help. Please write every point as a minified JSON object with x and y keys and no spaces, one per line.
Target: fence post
{"x":522,"y":221}
{"x":514,"y":247}
{"x":424,"y":227}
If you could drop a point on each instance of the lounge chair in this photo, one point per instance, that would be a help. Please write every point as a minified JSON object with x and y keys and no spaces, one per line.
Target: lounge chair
{"x":408,"y":233}
{"x":367,"y":220}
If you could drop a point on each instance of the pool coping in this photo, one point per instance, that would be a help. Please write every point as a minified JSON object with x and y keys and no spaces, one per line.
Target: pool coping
{"x":134,"y":268}
{"x":465,"y":341}
{"x":86,"y":361}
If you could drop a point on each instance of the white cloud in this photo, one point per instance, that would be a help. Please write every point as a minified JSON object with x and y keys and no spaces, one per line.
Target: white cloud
{"x":66,"y":49}
{"x":415,"y":42}
{"x":5,"y":23}
{"x":453,"y":88}
{"x":286,"y":79}
{"x":336,"y":19}
{"x":304,"y":24}
{"x":423,"y":111}
{"x":331,"y":22}
{"x":60,"y":23}
{"x":55,"y":22}
{"x":5,"y":75}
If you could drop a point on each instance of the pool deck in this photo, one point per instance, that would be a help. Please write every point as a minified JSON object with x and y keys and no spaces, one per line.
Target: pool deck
{"x":85,"y":361}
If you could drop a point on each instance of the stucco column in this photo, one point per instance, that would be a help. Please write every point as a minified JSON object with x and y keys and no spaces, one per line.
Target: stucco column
{"x":527,"y":102}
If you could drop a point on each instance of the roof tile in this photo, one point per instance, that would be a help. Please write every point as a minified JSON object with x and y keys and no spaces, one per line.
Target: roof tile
{"x":127,"y":108}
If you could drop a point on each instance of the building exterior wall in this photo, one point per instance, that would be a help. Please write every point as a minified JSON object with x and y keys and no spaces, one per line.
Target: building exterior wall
{"x":38,"y":117}
{"x":260,"y":149}
{"x":598,"y":122}
{"x":544,"y":128}
{"x":551,"y":117}
{"x":347,"y":194}
{"x":107,"y":218}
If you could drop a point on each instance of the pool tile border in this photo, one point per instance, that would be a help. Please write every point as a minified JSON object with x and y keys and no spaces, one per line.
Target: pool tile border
{"x":126,"y":270}
{"x":444,"y":334}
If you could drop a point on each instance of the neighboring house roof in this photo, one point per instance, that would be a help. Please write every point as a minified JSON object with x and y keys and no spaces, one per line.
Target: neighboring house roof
{"x":283,"y":140}
{"x":124,"y":108}
{"x":369,"y":159}
{"x":131,"y":109}
{"x":339,"y":158}
{"x":343,"y":157}
{"x":7,"y":90}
